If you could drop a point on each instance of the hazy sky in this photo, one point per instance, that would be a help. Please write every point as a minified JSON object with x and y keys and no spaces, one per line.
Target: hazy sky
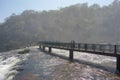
{"x":7,"y":7}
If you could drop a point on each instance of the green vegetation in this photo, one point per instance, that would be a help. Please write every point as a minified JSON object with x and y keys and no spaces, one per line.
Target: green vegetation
{"x":24,"y":51}
{"x":80,"y":22}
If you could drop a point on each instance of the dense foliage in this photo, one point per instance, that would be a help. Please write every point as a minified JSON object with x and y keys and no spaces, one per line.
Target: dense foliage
{"x":80,"y":22}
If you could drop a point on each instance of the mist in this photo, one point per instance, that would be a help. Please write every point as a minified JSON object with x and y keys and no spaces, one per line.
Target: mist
{"x":80,"y":22}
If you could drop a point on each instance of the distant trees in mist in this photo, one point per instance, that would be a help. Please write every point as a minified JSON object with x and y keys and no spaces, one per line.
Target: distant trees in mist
{"x":80,"y":22}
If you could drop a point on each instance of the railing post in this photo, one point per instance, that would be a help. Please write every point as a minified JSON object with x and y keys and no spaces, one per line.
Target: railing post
{"x":115,"y":49}
{"x":79,"y":45}
{"x":71,"y":50}
{"x":72,"y":44}
{"x":93,"y":47}
{"x":85,"y":45}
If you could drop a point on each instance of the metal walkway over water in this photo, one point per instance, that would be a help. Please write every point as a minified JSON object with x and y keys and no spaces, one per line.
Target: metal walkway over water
{"x":100,"y":49}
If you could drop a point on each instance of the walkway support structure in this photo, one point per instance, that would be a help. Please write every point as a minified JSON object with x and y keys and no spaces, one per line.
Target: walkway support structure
{"x":40,"y":47}
{"x":99,"y":49}
{"x":118,"y":63}
{"x":43,"y":47}
{"x":50,"y":49}
{"x":71,"y":54}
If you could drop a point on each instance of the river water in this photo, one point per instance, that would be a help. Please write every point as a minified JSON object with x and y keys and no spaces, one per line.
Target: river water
{"x":38,"y":65}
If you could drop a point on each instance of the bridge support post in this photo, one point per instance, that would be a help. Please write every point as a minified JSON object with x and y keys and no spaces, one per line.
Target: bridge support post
{"x":118,"y":64}
{"x":50,"y":49}
{"x":43,"y":48}
{"x":39,"y":46}
{"x":71,"y":54}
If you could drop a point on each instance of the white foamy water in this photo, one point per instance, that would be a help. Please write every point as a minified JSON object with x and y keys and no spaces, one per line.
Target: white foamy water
{"x":8,"y":63}
{"x":105,"y":61}
{"x":6,"y":67}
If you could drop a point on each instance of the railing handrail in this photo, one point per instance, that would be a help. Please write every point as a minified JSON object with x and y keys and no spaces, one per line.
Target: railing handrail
{"x":102,"y":47}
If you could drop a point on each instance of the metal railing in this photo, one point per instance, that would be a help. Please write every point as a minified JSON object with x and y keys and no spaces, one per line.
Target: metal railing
{"x":93,"y":48}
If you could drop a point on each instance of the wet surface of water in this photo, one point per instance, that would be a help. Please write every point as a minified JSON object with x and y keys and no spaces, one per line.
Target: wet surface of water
{"x":42,"y":66}
{"x":9,"y":64}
